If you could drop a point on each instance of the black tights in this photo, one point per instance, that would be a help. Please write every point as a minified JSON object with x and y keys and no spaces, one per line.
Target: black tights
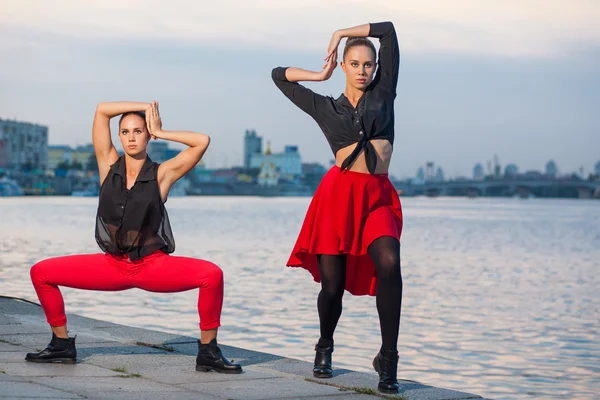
{"x":385,"y":253}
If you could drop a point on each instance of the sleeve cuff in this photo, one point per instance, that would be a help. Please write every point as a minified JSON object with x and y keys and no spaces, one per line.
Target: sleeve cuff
{"x":380,"y":29}
{"x":278,"y":74}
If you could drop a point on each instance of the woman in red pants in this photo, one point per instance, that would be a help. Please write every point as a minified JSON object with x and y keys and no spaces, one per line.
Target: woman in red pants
{"x":133,"y":231}
{"x":350,"y":239}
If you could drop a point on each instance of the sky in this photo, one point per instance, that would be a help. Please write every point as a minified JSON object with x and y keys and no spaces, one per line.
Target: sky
{"x":519,"y":79}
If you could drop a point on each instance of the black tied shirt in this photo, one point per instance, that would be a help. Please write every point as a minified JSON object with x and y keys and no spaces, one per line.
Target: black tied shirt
{"x":373,"y":117}
{"x":132,"y":222}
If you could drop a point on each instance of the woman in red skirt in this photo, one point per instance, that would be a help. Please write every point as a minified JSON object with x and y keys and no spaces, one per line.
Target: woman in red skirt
{"x":350,"y":238}
{"x":133,"y":231}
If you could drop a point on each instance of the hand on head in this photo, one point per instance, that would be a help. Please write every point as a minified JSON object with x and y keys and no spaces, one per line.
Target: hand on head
{"x":331,"y":59}
{"x":153,"y":121}
{"x":329,"y":66}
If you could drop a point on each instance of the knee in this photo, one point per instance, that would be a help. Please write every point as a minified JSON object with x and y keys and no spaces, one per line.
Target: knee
{"x":389,"y":267}
{"x":333,"y":291}
{"x":215,"y":275}
{"x":38,"y":271}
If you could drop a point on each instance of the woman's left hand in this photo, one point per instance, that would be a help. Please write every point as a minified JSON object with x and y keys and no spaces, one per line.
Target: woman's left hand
{"x":334,"y":43}
{"x":153,"y":120}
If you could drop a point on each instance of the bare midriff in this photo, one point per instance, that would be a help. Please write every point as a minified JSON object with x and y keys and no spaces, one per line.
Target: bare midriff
{"x":383,"y":149}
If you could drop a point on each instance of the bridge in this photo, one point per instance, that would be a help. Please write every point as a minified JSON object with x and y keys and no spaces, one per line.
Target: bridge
{"x":566,"y":188}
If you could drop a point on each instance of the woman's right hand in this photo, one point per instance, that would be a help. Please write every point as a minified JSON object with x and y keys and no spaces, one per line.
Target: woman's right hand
{"x":329,"y":66}
{"x":153,"y":121}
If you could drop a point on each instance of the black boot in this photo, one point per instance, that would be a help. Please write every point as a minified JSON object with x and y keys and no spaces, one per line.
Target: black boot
{"x":210,"y":357}
{"x":59,"y":350}
{"x":322,"y":368}
{"x":386,"y":365}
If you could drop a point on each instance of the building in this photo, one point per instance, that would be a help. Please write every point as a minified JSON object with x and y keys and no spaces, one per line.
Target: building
{"x":439,"y":175}
{"x":420,"y":174}
{"x":288,"y":163}
{"x":157,"y":151}
{"x":511,"y":170}
{"x":597,"y":168}
{"x":160,"y":152}
{"x":58,"y":155}
{"x":252,"y":145}
{"x":551,"y":169}
{"x":25,"y":145}
{"x":478,"y":173}
{"x":313,"y":174}
{"x":81,"y":155}
{"x":3,"y":154}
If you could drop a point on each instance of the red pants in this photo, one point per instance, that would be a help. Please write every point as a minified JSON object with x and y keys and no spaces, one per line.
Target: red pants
{"x":157,"y":272}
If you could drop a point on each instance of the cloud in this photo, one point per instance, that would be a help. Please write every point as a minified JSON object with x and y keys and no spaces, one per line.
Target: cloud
{"x":535,"y":28}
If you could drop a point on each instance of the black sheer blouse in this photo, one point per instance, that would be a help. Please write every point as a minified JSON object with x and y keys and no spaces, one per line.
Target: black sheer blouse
{"x":132,"y":222}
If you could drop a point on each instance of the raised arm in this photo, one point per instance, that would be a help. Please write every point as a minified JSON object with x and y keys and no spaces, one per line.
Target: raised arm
{"x":106,"y":154}
{"x":389,"y":55}
{"x":389,"y":52}
{"x":173,"y":169}
{"x":286,"y":79}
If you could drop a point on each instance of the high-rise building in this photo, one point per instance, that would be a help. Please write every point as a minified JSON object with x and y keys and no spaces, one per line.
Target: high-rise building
{"x":3,"y":154}
{"x":25,"y":145}
{"x":439,"y":175}
{"x":478,"y":173}
{"x":420,"y":174}
{"x":551,"y":168}
{"x":597,"y":168}
{"x":252,"y":145}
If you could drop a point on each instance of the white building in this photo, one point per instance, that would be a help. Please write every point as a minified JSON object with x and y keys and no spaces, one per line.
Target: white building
{"x":24,"y":144}
{"x":288,"y":163}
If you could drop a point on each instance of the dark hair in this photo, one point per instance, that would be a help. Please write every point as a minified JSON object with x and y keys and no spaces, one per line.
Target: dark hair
{"x":359,"y":41}
{"x":140,"y":114}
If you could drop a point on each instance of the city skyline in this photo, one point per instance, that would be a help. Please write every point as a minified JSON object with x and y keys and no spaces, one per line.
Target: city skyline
{"x":476,"y":80}
{"x":487,"y":168}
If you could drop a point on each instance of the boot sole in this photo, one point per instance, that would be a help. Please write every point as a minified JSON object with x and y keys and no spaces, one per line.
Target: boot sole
{"x":53,"y":360}
{"x":322,"y":375}
{"x":202,"y":368}
{"x":388,"y":391}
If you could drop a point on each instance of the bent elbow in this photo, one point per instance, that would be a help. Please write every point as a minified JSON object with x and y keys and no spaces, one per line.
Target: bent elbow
{"x":204,"y":141}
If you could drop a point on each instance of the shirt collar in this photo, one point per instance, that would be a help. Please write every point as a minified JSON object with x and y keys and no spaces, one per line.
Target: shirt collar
{"x":146,"y":173}
{"x":343,"y":101}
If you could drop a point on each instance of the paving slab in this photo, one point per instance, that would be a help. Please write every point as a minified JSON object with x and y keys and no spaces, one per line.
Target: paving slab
{"x":272,"y":388}
{"x":120,"y":395}
{"x":28,"y":369}
{"x":17,"y":390}
{"x":91,"y":386}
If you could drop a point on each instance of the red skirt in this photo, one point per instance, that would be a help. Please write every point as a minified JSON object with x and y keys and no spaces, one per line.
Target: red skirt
{"x":347,"y":213}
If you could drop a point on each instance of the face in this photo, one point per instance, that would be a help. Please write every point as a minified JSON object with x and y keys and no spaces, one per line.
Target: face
{"x":134,"y":135}
{"x":359,"y":67}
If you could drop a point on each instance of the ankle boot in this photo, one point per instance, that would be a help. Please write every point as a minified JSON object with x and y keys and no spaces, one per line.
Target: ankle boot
{"x":210,"y":357}
{"x":386,"y":365}
{"x":322,"y":367}
{"x":58,"y":350}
